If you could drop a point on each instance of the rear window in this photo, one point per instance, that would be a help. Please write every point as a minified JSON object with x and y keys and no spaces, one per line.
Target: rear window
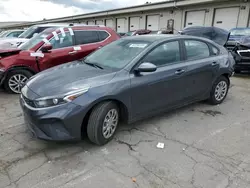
{"x":86,"y":37}
{"x":103,"y":35}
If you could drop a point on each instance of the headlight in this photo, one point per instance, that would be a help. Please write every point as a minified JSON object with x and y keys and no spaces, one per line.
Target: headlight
{"x":58,"y":100}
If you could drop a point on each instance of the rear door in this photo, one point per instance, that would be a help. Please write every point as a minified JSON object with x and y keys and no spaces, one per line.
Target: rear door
{"x":62,"y":51}
{"x":202,"y":66}
{"x":87,"y":41}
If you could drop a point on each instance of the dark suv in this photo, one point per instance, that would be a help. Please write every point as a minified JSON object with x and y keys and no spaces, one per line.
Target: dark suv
{"x":50,"y":48}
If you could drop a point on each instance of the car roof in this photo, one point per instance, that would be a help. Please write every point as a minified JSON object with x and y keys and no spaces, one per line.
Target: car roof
{"x":158,"y":37}
{"x":240,"y":28}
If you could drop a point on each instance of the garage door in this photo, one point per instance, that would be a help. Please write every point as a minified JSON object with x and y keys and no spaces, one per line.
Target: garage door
{"x":226,"y":18}
{"x":134,"y":23}
{"x":91,"y":22}
{"x":195,"y":18}
{"x":109,"y":23}
{"x":99,"y":22}
{"x":153,"y":22}
{"x":121,"y":25}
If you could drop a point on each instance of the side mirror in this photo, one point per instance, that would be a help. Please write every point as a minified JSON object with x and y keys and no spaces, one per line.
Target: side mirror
{"x":46,"y":48}
{"x":35,"y":34}
{"x":146,"y":67}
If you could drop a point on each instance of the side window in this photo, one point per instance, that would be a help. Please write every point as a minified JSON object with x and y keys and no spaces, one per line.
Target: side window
{"x":166,"y":53}
{"x":215,"y":51}
{"x":103,"y":35}
{"x":86,"y":37}
{"x":64,"y":41}
{"x":196,"y":49}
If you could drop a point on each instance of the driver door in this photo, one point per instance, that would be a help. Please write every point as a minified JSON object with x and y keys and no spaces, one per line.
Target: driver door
{"x":154,"y":91}
{"x":62,"y":52}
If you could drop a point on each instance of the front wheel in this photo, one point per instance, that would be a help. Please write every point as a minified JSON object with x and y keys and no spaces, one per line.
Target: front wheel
{"x":103,"y":122}
{"x":219,"y":90}
{"x":15,"y":80}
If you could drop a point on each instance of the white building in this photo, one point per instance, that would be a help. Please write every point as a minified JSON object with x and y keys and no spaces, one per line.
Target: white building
{"x":226,"y":14}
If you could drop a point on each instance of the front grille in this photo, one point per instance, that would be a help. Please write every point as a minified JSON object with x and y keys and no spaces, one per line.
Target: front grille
{"x":245,"y":54}
{"x":28,"y":101}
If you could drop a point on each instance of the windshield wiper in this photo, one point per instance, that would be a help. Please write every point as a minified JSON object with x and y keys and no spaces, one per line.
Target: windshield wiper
{"x":93,"y":65}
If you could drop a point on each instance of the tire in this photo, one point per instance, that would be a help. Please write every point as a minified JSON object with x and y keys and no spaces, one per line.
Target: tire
{"x":95,"y":128}
{"x":221,"y":82}
{"x":24,"y":75}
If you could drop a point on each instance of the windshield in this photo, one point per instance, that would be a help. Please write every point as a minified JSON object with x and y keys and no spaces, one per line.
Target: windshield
{"x":28,"y":33}
{"x":5,"y":33}
{"x":117,"y":54}
{"x":241,"y":32}
{"x":34,"y":41}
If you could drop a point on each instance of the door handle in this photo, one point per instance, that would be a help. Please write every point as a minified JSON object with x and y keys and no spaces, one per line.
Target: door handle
{"x":179,"y":72}
{"x":214,"y":63}
{"x":72,"y":53}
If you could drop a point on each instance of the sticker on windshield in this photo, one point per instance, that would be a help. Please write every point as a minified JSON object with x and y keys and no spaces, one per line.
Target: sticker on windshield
{"x":63,"y":32}
{"x":137,"y":45}
{"x":55,"y":35}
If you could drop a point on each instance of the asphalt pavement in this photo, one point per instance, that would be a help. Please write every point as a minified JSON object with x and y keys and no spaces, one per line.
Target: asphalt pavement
{"x":204,"y":147}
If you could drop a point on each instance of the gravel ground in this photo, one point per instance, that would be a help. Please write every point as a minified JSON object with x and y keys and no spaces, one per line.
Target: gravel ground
{"x":205,"y":147}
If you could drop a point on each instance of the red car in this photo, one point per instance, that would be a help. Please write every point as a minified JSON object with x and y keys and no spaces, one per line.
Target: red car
{"x":50,"y":48}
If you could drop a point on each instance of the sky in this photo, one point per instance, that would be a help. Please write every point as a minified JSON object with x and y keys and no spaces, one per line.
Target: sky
{"x":34,"y":10}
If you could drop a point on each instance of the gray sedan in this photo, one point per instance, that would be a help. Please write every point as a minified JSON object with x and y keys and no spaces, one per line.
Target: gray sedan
{"x":127,"y":80}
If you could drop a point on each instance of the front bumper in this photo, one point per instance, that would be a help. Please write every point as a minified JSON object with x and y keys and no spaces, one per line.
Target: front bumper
{"x":59,"y":123}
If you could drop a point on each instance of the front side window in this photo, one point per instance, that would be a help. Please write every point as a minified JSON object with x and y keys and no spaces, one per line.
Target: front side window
{"x":63,"y":41}
{"x":164,"y":54}
{"x":86,"y":37}
{"x":196,"y":49}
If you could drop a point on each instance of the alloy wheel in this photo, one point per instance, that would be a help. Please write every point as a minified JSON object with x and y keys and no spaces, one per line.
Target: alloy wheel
{"x":16,"y":82}
{"x":110,"y":123}
{"x":220,"y":91}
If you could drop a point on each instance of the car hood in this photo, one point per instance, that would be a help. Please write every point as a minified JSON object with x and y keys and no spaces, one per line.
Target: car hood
{"x":8,"y":52}
{"x":67,"y":78}
{"x":11,"y":42}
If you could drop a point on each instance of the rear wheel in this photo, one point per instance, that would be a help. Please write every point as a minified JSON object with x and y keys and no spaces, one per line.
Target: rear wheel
{"x":15,"y":80}
{"x":103,"y":122}
{"x":219,"y":90}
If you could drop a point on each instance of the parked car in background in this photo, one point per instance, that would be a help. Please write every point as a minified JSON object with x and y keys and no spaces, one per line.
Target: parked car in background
{"x":50,"y":48}
{"x":11,"y":33}
{"x":121,"y":34}
{"x":129,"y":79}
{"x":26,"y":35}
{"x":241,"y":53}
{"x":235,"y":36}
{"x":138,"y":32}
{"x":218,"y":35}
